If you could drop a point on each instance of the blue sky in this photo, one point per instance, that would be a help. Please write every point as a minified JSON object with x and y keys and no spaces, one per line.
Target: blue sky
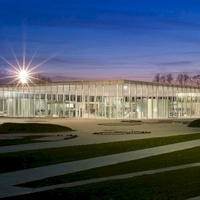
{"x":102,"y":39}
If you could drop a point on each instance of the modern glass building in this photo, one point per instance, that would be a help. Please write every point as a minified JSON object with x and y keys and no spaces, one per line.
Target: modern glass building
{"x":117,"y":99}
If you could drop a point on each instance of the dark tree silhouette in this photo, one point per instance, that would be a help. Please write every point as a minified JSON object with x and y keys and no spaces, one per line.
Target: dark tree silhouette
{"x":183,"y":79}
{"x":162,"y":79}
{"x":169,"y":78}
{"x":38,"y":78}
{"x":196,"y":80}
{"x":157,"y":78}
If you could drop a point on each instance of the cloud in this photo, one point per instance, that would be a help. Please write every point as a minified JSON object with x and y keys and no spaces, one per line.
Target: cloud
{"x":115,"y":19}
{"x":109,"y":15}
{"x":58,"y":78}
{"x":88,"y":63}
{"x":174,"y":63}
{"x":190,"y":52}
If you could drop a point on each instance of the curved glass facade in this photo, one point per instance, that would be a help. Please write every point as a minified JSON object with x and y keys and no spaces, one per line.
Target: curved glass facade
{"x":121,"y":99}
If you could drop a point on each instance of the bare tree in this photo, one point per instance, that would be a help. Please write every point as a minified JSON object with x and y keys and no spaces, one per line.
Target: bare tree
{"x":183,"y":79}
{"x":38,"y":78}
{"x":157,"y":78}
{"x":169,"y":78}
{"x":162,"y":79}
{"x":196,"y":79}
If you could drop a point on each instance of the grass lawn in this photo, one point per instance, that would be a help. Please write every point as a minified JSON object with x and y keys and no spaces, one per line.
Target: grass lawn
{"x":36,"y":158}
{"x":23,"y":140}
{"x":154,"y":162}
{"x":38,"y":128}
{"x":32,"y":128}
{"x":178,"y":184}
{"x":194,"y":123}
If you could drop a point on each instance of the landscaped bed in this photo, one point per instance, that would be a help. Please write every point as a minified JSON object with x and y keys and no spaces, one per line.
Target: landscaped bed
{"x":32,"y":128}
{"x":195,"y":123}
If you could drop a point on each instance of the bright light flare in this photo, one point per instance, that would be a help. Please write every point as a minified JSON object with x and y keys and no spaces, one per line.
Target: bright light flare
{"x":23,"y":77}
{"x":23,"y":74}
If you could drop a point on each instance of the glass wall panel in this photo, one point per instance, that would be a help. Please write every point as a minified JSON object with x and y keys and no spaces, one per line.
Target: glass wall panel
{"x":101,"y":99}
{"x":133,"y":104}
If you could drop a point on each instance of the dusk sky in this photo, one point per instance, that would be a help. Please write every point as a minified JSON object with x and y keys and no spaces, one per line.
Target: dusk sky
{"x":102,"y":39}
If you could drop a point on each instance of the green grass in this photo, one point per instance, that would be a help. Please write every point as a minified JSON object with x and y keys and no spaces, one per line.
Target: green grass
{"x":154,"y":162}
{"x":32,"y":139}
{"x":42,"y":157}
{"x":23,"y":140}
{"x":195,"y":123}
{"x":179,"y":184}
{"x":32,"y":128}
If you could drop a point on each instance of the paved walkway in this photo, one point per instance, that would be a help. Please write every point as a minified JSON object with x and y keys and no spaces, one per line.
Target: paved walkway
{"x":8,"y":180}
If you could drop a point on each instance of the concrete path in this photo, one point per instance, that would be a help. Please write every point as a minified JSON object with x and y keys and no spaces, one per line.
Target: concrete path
{"x":8,"y":180}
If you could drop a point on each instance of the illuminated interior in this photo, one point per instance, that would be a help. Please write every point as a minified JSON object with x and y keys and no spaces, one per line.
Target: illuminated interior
{"x":115,"y":99}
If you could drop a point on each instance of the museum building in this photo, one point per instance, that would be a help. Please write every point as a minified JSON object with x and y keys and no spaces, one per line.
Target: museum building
{"x":114,"y":99}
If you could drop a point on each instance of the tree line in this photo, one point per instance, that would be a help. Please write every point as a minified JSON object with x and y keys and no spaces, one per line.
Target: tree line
{"x":5,"y":78}
{"x":39,"y":78}
{"x":182,"y":79}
